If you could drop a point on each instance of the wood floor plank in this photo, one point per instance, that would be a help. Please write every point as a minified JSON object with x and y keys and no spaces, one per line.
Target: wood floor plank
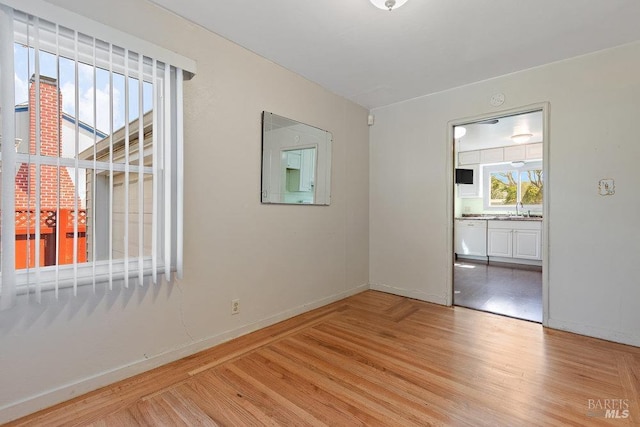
{"x":277,"y":406}
{"x":436,"y":388}
{"x":305,"y":393}
{"x":377,"y":359}
{"x":379,"y":381}
{"x":469,"y":397}
{"x":378,"y":411}
{"x":465,"y":372}
{"x":271,"y":405}
{"x":218,"y":405}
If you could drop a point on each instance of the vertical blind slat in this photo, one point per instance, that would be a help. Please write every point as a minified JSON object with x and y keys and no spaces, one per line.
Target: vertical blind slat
{"x":126,"y":169}
{"x":94,"y":175}
{"x":76,"y":216}
{"x":179,"y":174}
{"x":38,"y":146}
{"x":154,"y":160}
{"x":110,"y":231}
{"x":7,"y":96}
{"x":140,"y":172}
{"x":167,"y":172}
{"x":58,"y":108}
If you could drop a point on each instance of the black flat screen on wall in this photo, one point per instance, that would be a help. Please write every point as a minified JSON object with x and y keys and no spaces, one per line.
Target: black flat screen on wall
{"x":464,"y":176}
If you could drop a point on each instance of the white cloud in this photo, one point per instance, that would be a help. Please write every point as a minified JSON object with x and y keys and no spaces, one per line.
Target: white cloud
{"x":85,"y":72}
{"x":85,"y":105}
{"x":68,"y":98}
{"x":102,"y":108}
{"x":21,"y":88}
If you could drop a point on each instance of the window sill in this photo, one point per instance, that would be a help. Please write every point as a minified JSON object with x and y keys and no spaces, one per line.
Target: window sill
{"x":62,"y":277}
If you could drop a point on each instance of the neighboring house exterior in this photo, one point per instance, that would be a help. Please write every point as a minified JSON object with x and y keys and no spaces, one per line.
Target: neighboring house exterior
{"x":57,"y":186}
{"x":57,"y":139}
{"x":120,"y":212}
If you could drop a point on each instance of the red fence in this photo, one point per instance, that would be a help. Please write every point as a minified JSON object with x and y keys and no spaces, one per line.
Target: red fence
{"x":26,"y":238}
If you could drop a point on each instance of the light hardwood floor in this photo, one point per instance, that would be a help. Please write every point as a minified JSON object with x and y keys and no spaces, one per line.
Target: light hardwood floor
{"x":378,"y":359}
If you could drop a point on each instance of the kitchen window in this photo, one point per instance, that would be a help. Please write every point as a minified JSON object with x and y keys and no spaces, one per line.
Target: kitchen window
{"x":91,"y":159}
{"x":505,"y":185}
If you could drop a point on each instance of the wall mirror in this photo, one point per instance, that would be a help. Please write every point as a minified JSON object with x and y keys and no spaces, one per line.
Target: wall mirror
{"x":296,"y":162}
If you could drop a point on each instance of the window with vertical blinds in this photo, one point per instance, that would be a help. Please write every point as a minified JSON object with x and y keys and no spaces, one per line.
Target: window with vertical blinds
{"x":91,"y":158}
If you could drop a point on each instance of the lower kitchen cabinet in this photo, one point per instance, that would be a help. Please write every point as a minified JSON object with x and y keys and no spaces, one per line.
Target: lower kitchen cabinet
{"x":515,"y":239}
{"x":527,"y":244}
{"x":500,"y":242}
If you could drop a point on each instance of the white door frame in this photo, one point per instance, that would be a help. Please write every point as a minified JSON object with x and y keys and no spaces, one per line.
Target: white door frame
{"x":545,"y":108}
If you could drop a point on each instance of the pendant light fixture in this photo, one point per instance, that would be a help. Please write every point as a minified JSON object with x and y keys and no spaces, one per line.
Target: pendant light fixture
{"x":388,"y":4}
{"x":459,"y":132}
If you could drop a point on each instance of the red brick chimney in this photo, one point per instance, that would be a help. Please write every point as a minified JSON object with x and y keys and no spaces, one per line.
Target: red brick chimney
{"x":50,"y":145}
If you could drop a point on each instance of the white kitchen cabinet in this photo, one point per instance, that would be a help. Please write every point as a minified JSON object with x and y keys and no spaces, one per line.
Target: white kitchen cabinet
{"x":471,"y":190}
{"x":470,"y":237}
{"x":300,"y":170}
{"x":469,"y":157}
{"x":534,"y":151}
{"x":307,"y":169}
{"x":515,"y":239}
{"x":515,"y":153}
{"x":294,"y":159}
{"x":500,"y":242}
{"x":527,"y":244}
{"x":492,"y":155}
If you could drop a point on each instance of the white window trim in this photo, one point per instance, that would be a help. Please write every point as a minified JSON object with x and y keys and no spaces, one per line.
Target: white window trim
{"x":487,"y":170}
{"x":64,"y":276}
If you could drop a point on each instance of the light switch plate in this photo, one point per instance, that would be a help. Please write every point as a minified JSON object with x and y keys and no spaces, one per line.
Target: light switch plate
{"x":607,"y":187}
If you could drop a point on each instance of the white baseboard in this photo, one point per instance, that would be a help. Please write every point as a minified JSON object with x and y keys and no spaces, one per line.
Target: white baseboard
{"x":68,"y":391}
{"x":410,"y":293}
{"x":590,"y":331}
{"x":515,"y":261}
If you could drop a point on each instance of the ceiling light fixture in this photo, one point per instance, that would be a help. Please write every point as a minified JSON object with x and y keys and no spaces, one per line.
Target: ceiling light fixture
{"x":388,"y":4}
{"x":521,"y":138}
{"x":459,"y":132}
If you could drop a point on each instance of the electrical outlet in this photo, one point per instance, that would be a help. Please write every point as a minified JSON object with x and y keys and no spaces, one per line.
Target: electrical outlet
{"x":235,"y":306}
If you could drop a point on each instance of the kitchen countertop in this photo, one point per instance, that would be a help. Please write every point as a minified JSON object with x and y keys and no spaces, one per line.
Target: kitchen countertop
{"x":501,"y":217}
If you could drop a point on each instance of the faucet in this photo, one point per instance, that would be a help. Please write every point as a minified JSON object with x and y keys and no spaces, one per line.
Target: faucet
{"x":521,"y":206}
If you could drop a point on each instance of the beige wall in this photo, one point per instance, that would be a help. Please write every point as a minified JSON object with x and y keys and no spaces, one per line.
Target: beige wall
{"x":279,"y":260}
{"x":594,"y":241}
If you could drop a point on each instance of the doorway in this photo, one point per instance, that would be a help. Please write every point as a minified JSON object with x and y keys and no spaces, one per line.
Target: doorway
{"x":499,"y":211}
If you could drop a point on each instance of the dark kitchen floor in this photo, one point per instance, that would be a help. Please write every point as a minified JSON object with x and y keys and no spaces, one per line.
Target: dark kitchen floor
{"x":513,"y":292}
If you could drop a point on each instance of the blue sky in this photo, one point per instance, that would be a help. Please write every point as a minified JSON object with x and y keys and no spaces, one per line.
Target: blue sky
{"x":25,"y":68}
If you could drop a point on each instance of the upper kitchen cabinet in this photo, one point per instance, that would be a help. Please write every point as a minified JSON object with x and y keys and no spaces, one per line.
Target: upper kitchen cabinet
{"x":534,"y":151}
{"x":515,"y":153}
{"x":469,"y":157}
{"x":510,"y":153}
{"x":493,"y":155}
{"x":474,"y":189}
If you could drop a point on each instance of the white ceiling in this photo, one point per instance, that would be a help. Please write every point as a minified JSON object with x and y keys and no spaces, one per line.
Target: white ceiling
{"x":376,"y":57}
{"x":490,"y":135}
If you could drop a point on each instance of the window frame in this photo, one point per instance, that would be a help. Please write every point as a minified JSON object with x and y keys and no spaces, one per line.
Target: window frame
{"x":167,"y":169}
{"x":487,"y":170}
